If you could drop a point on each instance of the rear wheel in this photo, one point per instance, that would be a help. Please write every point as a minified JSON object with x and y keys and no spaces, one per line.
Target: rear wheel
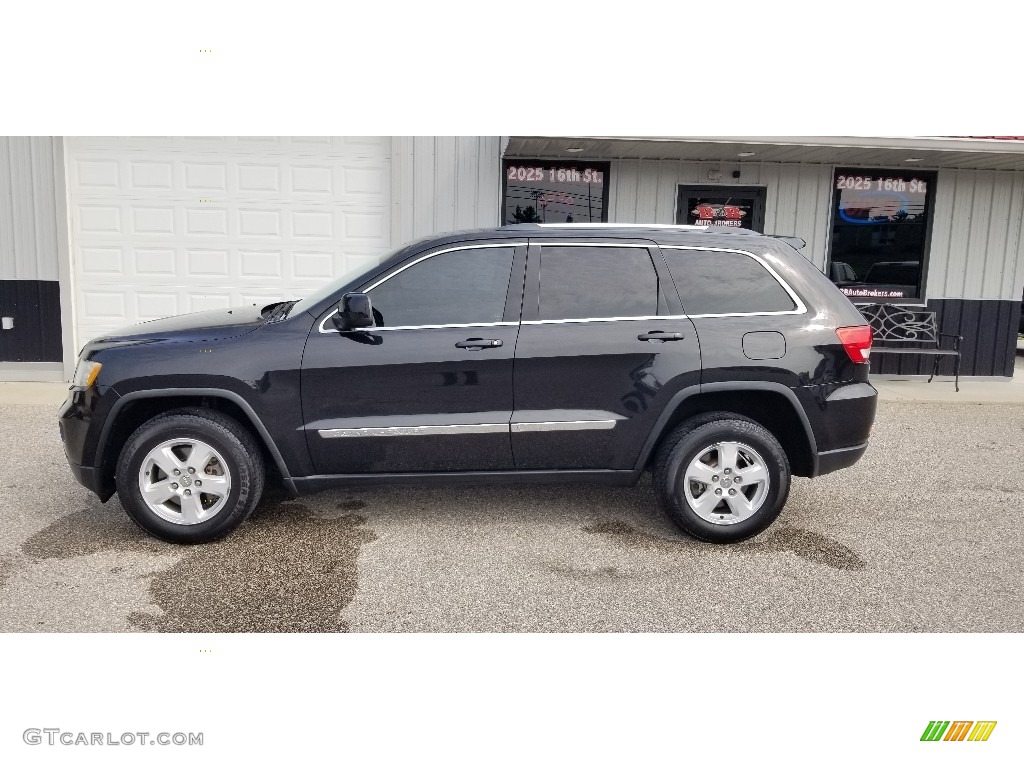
{"x":721,"y":480}
{"x":190,"y":476}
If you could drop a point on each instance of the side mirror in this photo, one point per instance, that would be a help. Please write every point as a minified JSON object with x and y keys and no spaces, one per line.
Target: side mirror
{"x":355,"y":311}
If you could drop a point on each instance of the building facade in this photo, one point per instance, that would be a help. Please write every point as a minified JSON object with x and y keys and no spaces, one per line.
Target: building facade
{"x":97,"y":233}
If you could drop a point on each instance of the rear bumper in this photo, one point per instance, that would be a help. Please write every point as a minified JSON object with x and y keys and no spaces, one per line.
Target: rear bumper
{"x":830,"y":461}
{"x":844,"y":426}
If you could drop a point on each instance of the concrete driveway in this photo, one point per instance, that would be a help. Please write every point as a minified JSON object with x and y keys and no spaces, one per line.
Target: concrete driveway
{"x":926,"y":533}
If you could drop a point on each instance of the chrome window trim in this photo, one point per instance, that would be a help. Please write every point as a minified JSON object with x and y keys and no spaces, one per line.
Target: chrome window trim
{"x":557,"y":426}
{"x":402,"y":268}
{"x":375,"y":328}
{"x":604,"y":319}
{"x":800,"y":309}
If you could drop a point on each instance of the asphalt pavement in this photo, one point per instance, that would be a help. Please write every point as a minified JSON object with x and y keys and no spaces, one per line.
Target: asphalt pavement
{"x":926,"y":533}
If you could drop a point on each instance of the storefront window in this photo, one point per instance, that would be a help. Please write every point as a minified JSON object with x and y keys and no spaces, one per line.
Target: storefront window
{"x":880,"y":224}
{"x":546,"y":192}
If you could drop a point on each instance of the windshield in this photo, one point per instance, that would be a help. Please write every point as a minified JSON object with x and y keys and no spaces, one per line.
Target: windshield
{"x":328,"y":289}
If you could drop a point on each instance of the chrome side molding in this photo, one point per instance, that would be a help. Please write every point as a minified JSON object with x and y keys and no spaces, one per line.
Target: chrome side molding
{"x":468,"y":429}
{"x":558,"y":426}
{"x":440,"y":429}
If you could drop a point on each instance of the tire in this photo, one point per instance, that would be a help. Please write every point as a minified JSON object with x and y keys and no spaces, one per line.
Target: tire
{"x":682,"y":478}
{"x":157,"y":459}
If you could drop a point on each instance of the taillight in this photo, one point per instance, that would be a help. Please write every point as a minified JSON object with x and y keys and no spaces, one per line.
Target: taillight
{"x":857,"y":341}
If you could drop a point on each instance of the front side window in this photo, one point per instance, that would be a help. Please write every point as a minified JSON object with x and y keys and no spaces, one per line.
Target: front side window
{"x":453,"y":288}
{"x":880,"y":222}
{"x":579,"y":282}
{"x":546,"y":192}
{"x":721,"y":282}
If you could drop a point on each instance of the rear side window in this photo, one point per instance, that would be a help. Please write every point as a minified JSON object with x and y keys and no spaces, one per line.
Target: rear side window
{"x":453,"y":288}
{"x":716,"y":283}
{"x":579,"y":281}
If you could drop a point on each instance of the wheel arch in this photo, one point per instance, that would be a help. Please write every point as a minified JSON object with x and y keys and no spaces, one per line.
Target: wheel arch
{"x":135,"y":408}
{"x":769,"y":404}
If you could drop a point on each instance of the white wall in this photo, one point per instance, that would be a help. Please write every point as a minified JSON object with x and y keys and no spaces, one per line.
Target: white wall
{"x":443,"y":184}
{"x":977,"y":249}
{"x":28,"y":210}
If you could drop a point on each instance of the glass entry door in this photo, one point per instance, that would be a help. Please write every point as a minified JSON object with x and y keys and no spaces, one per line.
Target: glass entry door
{"x":722,"y":206}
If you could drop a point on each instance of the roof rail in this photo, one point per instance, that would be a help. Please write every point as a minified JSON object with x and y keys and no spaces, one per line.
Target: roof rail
{"x":606,"y":225}
{"x":612,"y":225}
{"x":796,"y":242}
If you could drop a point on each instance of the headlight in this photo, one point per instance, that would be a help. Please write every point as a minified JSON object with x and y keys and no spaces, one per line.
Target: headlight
{"x":85,"y":374}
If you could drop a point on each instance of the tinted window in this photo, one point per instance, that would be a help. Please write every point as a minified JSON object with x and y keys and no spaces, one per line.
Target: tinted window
{"x":712,"y":283}
{"x":588,"y":281}
{"x":880,"y":223}
{"x":467,"y":286}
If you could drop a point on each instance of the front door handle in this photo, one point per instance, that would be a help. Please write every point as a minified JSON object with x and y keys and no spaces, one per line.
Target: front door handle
{"x":660,"y":336}
{"x":478,"y":343}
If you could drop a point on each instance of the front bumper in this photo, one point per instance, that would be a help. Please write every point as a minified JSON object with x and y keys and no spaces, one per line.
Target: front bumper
{"x":91,"y":478}
{"x":75,"y":417}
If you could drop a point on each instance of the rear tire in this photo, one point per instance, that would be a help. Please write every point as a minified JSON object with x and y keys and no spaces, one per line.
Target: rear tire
{"x":695,"y":473}
{"x":190,"y":476}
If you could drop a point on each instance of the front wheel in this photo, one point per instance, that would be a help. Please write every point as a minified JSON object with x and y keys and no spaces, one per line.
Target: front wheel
{"x":723,"y":480}
{"x":190,"y":476}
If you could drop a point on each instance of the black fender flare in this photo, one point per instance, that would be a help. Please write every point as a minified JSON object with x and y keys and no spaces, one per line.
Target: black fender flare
{"x":255,"y":421}
{"x":658,"y":430}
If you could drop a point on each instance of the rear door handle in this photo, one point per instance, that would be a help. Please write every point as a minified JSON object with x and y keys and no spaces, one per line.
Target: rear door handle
{"x":660,"y":336}
{"x":478,"y":343}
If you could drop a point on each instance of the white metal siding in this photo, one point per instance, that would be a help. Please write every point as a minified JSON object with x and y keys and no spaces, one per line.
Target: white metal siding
{"x":28,"y":209}
{"x":444,"y":183}
{"x":977,"y":251}
{"x":977,"y":246}
{"x":162,"y":226}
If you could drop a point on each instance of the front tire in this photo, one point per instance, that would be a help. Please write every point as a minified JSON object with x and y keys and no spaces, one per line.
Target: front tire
{"x":721,"y":480}
{"x":190,"y":476}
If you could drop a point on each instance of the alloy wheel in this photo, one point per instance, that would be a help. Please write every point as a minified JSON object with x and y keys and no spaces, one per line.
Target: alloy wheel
{"x":726,"y":483}
{"x":184,"y":481}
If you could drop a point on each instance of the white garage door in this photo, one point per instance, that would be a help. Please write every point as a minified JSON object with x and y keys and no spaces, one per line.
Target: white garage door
{"x":162,"y":226}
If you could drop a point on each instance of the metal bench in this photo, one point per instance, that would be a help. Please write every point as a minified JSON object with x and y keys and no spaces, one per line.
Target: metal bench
{"x":902,"y":325}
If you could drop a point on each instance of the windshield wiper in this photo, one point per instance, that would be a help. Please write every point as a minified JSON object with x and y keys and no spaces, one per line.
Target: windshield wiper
{"x":278,"y":311}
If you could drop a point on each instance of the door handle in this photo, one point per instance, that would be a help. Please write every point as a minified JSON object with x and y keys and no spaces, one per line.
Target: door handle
{"x":478,"y":343}
{"x":660,"y":336}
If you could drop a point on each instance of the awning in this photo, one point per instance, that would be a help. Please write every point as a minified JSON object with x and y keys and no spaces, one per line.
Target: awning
{"x":882,"y":152}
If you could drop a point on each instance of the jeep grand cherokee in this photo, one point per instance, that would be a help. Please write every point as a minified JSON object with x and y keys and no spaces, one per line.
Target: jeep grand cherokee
{"x":720,"y":359}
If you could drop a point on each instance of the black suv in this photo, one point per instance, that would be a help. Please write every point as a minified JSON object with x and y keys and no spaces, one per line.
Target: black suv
{"x":720,"y":359}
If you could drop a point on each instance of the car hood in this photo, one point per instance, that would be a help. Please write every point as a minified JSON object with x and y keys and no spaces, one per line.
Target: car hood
{"x":196,"y":326}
